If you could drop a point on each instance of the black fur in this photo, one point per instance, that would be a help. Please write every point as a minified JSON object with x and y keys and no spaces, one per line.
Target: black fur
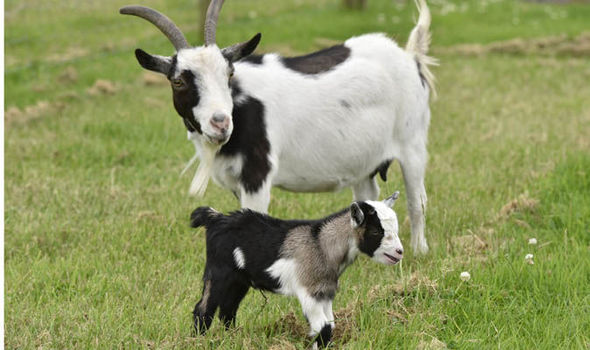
{"x":250,"y":140}
{"x":323,"y":338}
{"x":238,"y":51}
{"x":152,"y":63}
{"x":373,"y":235}
{"x":382,"y":170}
{"x":185,"y":99}
{"x":253,"y":59}
{"x":319,"y":61}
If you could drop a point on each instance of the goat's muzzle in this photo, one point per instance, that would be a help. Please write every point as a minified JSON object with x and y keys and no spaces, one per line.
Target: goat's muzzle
{"x":221,"y":126}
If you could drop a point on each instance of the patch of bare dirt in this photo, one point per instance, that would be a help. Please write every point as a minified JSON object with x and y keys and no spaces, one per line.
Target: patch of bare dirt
{"x":154,"y":79}
{"x":470,"y":243}
{"x":521,"y":204}
{"x":562,"y":45}
{"x":407,"y":285}
{"x":70,"y":54}
{"x":345,"y":322}
{"x":68,"y":76}
{"x":39,"y":110}
{"x":289,"y":324}
{"x":102,"y":87}
{"x":283,"y":345}
{"x":433,"y":344}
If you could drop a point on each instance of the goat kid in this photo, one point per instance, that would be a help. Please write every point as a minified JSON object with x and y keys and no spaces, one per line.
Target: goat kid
{"x":320,"y":122}
{"x":299,"y":258}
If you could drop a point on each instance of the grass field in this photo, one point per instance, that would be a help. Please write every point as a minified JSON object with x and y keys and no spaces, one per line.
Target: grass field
{"x":98,"y":252}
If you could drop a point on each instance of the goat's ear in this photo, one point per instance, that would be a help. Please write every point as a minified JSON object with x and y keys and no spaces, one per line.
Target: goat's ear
{"x":391,"y":200}
{"x":357,"y":215}
{"x":160,"y":64}
{"x":238,"y":51}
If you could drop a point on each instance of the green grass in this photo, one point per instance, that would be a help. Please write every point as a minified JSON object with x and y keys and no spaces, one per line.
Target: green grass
{"x":98,"y":252}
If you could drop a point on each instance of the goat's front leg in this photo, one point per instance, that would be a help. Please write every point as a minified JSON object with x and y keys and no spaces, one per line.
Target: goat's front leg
{"x":328,"y":312}
{"x":256,"y":200}
{"x":366,"y":189}
{"x":319,"y":322}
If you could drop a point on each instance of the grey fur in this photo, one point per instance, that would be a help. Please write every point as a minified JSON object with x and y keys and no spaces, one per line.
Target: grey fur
{"x":211,"y":21}
{"x":321,"y":259}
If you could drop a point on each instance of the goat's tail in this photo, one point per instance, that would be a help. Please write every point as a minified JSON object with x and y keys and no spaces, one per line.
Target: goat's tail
{"x":202,"y":216}
{"x":418,"y":44}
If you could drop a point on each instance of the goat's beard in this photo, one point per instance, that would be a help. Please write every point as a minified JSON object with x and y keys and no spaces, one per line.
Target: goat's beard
{"x":206,"y":152}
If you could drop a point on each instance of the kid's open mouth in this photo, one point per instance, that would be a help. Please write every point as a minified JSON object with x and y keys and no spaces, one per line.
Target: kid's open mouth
{"x":392,"y":259}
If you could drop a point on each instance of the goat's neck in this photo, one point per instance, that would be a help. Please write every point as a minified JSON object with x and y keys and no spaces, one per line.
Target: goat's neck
{"x":339,"y":242}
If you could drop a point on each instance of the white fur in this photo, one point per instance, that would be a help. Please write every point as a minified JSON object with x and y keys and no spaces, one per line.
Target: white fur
{"x":318,"y":313}
{"x":390,"y":242}
{"x":330,"y":130}
{"x":239,"y":258}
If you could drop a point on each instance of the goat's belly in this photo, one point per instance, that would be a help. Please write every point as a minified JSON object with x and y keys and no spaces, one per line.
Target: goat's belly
{"x":310,"y":186}
{"x":313,"y":181}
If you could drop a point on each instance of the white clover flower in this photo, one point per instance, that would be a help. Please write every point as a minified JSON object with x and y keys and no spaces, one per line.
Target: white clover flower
{"x":529,"y":259}
{"x":532,"y":241}
{"x":465,"y":276}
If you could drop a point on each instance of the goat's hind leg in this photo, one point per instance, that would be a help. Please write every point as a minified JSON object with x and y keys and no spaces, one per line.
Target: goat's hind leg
{"x":205,"y":308}
{"x":413,"y":164}
{"x":228,"y":306}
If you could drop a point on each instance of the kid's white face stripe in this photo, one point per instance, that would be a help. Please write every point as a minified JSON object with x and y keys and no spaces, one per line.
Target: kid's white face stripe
{"x":239,"y":258}
{"x":387,"y":217}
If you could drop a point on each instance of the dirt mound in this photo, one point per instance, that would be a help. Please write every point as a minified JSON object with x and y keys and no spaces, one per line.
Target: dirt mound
{"x":521,"y":204}
{"x":560,"y":45}
{"x":102,"y":87}
{"x":39,"y":110}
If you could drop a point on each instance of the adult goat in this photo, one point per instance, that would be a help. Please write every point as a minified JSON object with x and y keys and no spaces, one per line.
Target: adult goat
{"x":320,"y":122}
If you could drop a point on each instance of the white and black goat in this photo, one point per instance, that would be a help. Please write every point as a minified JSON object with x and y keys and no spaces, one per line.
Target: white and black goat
{"x":320,"y":122}
{"x":299,"y":258}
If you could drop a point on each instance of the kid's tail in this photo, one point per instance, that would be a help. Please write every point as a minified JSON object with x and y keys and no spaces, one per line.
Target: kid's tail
{"x":202,"y":216}
{"x":418,"y":44}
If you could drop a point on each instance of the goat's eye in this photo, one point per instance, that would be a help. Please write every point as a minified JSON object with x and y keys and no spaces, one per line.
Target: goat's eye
{"x":231,"y":74}
{"x":177,"y":83}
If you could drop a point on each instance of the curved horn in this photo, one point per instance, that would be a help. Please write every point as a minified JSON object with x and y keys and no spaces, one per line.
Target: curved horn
{"x":211,"y":21}
{"x":163,"y":23}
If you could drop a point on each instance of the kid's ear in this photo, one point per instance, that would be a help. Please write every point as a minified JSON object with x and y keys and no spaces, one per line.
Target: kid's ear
{"x":391,"y":200}
{"x":357,"y":215}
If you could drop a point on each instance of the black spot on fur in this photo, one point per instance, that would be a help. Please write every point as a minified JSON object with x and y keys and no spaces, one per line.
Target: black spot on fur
{"x":382,"y":170}
{"x":253,"y":59}
{"x":319,"y":61}
{"x":345,"y":104}
{"x":236,"y":89}
{"x":185,"y":97}
{"x":323,"y":338}
{"x":249,"y":139}
{"x":371,"y":239}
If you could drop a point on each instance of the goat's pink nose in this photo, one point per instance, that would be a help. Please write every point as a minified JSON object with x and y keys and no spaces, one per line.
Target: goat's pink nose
{"x":220,"y":122}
